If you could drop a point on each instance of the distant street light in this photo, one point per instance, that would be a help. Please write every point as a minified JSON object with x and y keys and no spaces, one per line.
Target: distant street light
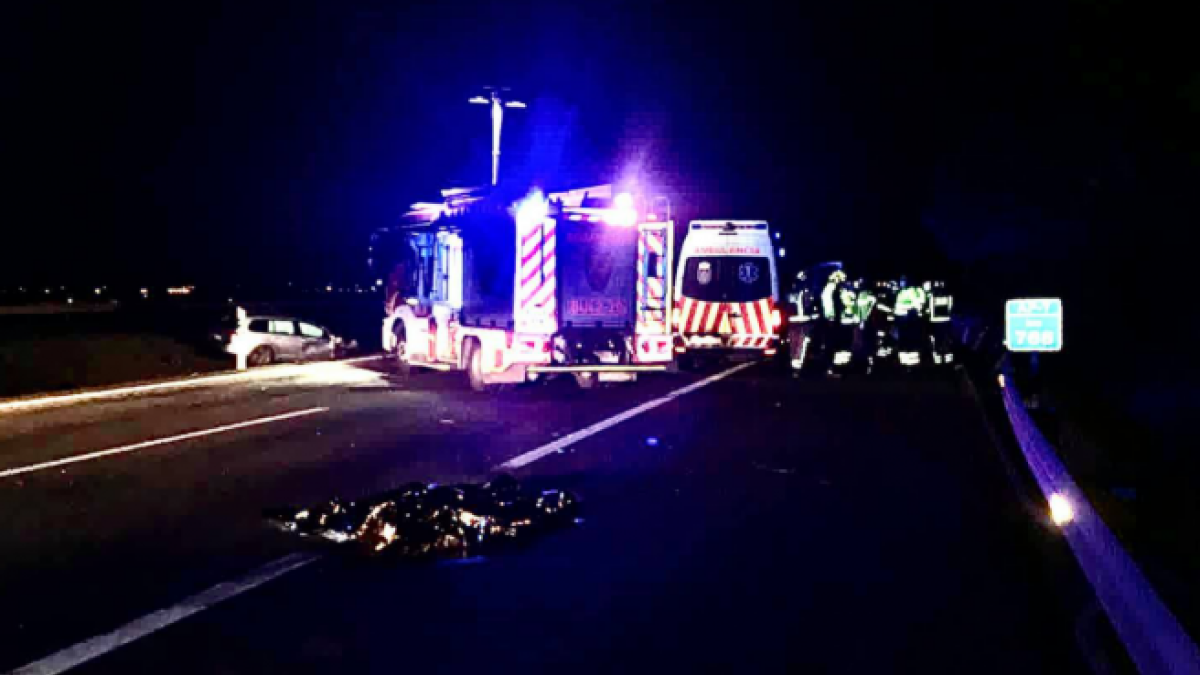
{"x":498,"y":106}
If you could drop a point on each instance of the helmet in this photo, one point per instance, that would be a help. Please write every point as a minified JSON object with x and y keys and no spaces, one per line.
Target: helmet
{"x":837,"y":276}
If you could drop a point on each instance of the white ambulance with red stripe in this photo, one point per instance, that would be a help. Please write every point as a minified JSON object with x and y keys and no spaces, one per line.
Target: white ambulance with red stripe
{"x":513,"y":290}
{"x":727,"y":290}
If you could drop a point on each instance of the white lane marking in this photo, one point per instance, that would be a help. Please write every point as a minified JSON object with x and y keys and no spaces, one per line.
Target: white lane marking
{"x":551,"y":448}
{"x":100,"y":645}
{"x":275,"y":372}
{"x":158,"y":441}
{"x":87,"y":650}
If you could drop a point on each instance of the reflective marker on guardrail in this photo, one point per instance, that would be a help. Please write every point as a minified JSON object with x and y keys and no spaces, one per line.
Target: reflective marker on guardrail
{"x":1155,"y":640}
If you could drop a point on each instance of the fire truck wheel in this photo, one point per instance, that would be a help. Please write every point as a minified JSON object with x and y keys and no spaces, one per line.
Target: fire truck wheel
{"x":474,"y":360}
{"x":403,"y":368}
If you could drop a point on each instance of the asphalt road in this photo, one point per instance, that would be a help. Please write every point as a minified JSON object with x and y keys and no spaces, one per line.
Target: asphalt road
{"x":771,"y":523}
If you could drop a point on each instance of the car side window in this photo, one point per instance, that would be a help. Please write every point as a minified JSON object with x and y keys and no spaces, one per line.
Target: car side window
{"x":283,"y":327}
{"x":259,"y":326}
{"x":309,"y":330}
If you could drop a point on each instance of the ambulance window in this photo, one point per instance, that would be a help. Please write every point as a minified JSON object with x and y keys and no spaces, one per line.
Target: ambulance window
{"x":727,"y":278}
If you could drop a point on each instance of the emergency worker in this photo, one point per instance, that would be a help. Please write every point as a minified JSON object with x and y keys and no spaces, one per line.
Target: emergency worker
{"x":829,"y":295}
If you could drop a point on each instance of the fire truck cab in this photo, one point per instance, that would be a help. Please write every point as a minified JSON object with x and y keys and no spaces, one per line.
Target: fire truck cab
{"x":727,"y":291}
{"x":453,"y":298}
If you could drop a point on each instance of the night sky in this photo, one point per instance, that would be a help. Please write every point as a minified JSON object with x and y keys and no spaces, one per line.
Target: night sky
{"x":258,"y":141}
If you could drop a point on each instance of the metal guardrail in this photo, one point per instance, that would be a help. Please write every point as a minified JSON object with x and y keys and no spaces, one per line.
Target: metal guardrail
{"x":1152,"y":636}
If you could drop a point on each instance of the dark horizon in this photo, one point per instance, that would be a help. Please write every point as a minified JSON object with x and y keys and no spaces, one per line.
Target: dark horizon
{"x":267,"y":141}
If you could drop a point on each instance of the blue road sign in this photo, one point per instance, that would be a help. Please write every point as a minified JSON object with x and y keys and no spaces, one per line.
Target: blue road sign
{"x":1033,"y":325}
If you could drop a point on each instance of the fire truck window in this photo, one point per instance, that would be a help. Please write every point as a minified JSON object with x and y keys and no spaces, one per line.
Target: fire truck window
{"x":454,"y":272}
{"x":426,"y":272}
{"x":402,"y":280}
{"x":653,"y":265}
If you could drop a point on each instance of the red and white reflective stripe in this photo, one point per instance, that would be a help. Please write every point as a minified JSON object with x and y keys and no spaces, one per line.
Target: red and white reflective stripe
{"x":741,"y":323}
{"x":536,"y":273}
{"x":651,"y":294}
{"x":740,"y":318}
{"x":694,"y":317}
{"x":545,"y":295}
{"x":750,"y":341}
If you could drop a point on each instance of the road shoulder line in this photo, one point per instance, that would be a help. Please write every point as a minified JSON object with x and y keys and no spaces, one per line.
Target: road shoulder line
{"x":54,"y":400}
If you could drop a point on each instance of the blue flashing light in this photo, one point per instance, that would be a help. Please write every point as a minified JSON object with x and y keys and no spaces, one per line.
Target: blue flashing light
{"x":532,"y":210}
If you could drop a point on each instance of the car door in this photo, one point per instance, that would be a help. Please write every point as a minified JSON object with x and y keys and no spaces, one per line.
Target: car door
{"x":315,"y":342}
{"x":285,"y":340}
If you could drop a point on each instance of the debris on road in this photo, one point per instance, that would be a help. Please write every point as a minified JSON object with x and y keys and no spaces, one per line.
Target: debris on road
{"x":419,"y":519}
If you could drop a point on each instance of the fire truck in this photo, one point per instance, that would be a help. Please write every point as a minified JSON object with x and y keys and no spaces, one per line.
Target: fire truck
{"x":727,"y":291}
{"x":511,"y":289}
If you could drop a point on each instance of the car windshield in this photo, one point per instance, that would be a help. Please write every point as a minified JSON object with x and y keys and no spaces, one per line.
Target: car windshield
{"x":727,"y":278}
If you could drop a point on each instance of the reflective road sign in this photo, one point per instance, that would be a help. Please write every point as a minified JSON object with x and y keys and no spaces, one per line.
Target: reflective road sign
{"x":1033,"y":325}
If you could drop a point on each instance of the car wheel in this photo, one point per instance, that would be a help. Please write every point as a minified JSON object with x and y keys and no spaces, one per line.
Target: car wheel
{"x":403,"y":368}
{"x":261,"y":356}
{"x":475,"y":366}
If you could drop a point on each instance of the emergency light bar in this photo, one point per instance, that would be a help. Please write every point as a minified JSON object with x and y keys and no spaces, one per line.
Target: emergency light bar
{"x":623,"y":214}
{"x":727,"y":225}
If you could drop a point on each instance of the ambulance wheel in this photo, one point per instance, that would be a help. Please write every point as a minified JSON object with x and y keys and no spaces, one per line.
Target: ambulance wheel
{"x":403,"y":369}
{"x":586,"y":380}
{"x":474,"y":359}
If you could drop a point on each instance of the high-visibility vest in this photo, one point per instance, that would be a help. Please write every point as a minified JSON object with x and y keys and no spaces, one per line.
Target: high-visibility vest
{"x":940,"y":307}
{"x":909,"y":299}
{"x":827,"y":300}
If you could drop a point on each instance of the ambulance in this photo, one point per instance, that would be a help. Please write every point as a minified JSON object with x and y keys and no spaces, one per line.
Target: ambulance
{"x":726,"y":291}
